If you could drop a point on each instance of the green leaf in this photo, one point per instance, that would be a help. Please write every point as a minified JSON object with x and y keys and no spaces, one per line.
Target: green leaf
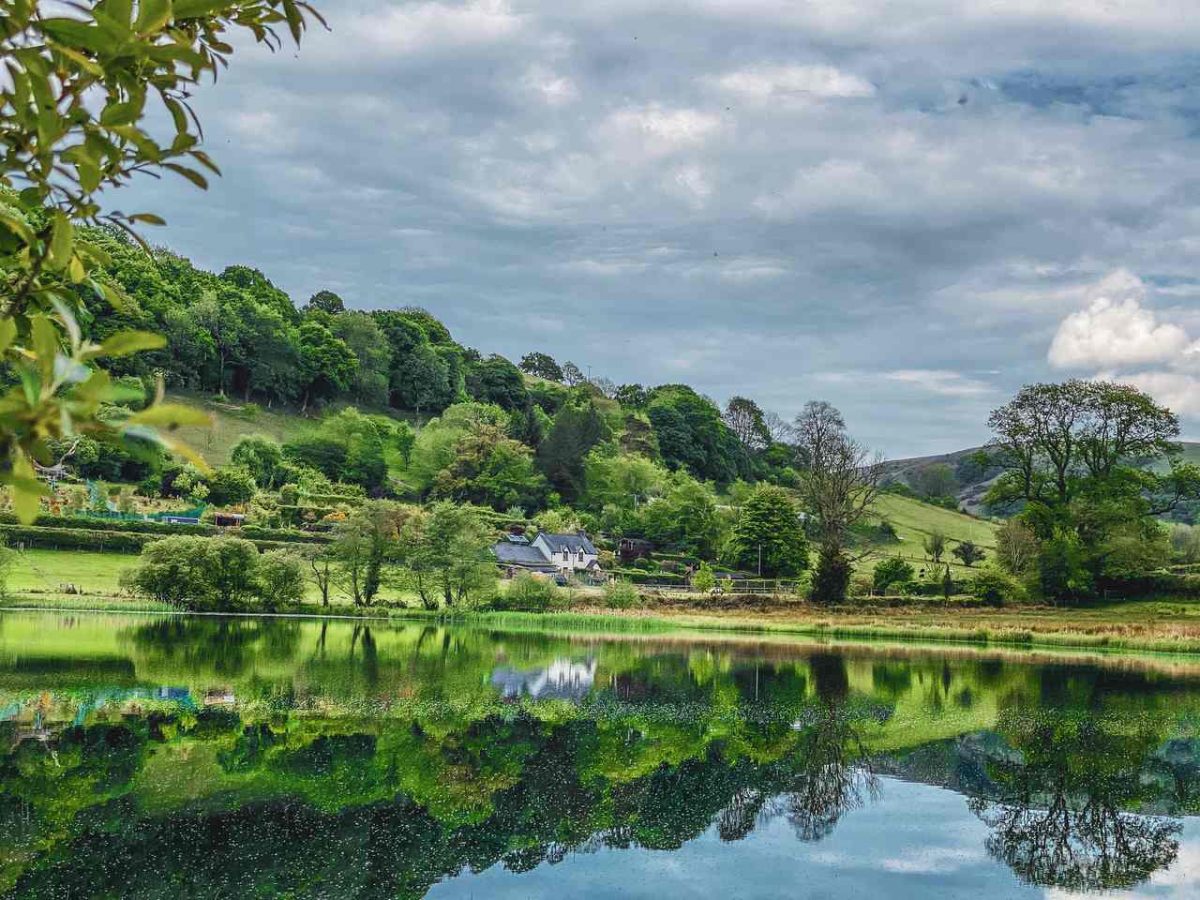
{"x":190,"y":174}
{"x":148,"y":218}
{"x":16,"y":224}
{"x":194,"y":9}
{"x":73,"y":33}
{"x":126,"y":343}
{"x":62,"y":242}
{"x":26,"y":489}
{"x":8,"y":333}
{"x":169,"y":415}
{"x":152,"y":15}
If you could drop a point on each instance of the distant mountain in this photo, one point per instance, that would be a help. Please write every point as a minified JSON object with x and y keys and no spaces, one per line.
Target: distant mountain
{"x":973,"y":479}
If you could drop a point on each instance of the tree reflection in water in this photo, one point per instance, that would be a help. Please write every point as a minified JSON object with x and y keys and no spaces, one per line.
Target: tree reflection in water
{"x":1061,"y":814}
{"x":382,"y":760}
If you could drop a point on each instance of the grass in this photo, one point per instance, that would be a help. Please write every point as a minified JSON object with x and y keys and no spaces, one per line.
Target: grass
{"x":231,"y":421}
{"x":48,"y":571}
{"x":914,"y":521}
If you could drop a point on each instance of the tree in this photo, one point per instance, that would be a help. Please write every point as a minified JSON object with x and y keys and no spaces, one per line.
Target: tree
{"x":279,"y":578}
{"x":74,"y":101}
{"x":577,"y":428}
{"x":935,"y":545}
{"x":197,"y":573}
{"x":968,"y":553}
{"x":746,"y":421}
{"x":327,"y":366}
{"x":496,"y":380}
{"x":704,"y":579}
{"x":370,"y":383}
{"x":1068,"y":453}
{"x":321,"y":572}
{"x":838,"y":487}
{"x":230,"y":485}
{"x":631,"y":396}
{"x":571,"y":375}
{"x":446,"y":552}
{"x":262,"y":457}
{"x":1016,"y":547}
{"x":542,"y":365}
{"x":490,"y":469}
{"x":891,"y":571}
{"x":363,"y":544}
{"x":692,"y":435}
{"x":685,"y":519}
{"x":620,"y":481}
{"x":326,"y":301}
{"x":768,"y":537}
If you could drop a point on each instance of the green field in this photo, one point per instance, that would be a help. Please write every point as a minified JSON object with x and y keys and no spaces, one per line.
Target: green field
{"x":231,"y":421}
{"x":51,"y":570}
{"x":914,"y":521}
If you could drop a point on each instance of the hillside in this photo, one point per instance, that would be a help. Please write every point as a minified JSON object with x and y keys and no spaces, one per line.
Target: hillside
{"x":974,"y":481}
{"x":914,"y":521}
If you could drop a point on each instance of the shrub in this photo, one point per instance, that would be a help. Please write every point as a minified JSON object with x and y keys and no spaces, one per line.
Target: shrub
{"x":230,"y":485}
{"x":170,"y":571}
{"x":968,"y":552}
{"x":621,"y":595}
{"x":995,"y":588}
{"x":280,"y":578}
{"x":204,"y":573}
{"x":529,"y":593}
{"x":704,"y":580}
{"x":888,"y":572}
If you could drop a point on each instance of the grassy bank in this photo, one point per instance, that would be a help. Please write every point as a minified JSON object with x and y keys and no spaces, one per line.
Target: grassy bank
{"x":85,"y":580}
{"x":1141,"y":627}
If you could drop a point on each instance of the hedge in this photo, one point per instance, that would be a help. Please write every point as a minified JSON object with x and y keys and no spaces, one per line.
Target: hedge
{"x":35,"y":538}
{"x":143,"y":526}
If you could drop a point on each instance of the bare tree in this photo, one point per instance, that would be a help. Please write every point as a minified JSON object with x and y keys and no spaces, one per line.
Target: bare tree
{"x":780,"y":429}
{"x":747,"y":422}
{"x":838,"y":487}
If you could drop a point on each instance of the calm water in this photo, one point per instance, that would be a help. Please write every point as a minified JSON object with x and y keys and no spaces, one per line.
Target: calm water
{"x":170,"y":757}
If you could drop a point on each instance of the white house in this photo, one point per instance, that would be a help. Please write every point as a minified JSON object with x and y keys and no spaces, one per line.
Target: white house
{"x":562,"y":553}
{"x":568,"y":552}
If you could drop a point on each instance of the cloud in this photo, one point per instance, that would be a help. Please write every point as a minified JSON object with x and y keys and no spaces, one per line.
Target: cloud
{"x":911,"y":193}
{"x":774,"y":84}
{"x":1116,"y":330}
{"x":939,"y":381}
{"x":429,"y":28}
{"x":1118,"y":336}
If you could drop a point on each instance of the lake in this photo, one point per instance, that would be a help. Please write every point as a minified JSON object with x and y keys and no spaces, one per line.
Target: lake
{"x":159,"y":756}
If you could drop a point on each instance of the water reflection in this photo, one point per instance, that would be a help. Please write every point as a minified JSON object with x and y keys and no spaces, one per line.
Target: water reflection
{"x":284,"y":757}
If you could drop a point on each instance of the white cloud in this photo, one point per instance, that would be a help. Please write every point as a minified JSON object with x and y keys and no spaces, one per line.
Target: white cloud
{"x":941,"y":381}
{"x":553,"y":89}
{"x":1116,"y":330}
{"x":653,"y":130}
{"x":1178,"y":391}
{"x":428,"y":28}
{"x":773,"y":84}
{"x":1118,"y":336}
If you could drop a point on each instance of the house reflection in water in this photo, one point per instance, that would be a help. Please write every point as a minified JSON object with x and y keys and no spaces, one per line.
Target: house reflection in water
{"x":563,"y":679}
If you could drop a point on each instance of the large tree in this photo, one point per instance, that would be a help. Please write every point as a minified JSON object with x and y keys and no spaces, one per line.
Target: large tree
{"x":768,"y":537}
{"x":838,"y":488}
{"x":1076,"y":458}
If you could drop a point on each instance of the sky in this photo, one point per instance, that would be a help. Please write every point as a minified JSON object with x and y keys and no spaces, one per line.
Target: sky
{"x":908,"y":209}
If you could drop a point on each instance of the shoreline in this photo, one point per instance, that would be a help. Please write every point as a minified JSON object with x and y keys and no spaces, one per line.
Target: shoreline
{"x":1092,"y":629}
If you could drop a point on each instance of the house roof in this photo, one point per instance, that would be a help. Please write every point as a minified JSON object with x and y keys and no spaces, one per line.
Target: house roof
{"x":519,"y":554}
{"x":571,"y":542}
